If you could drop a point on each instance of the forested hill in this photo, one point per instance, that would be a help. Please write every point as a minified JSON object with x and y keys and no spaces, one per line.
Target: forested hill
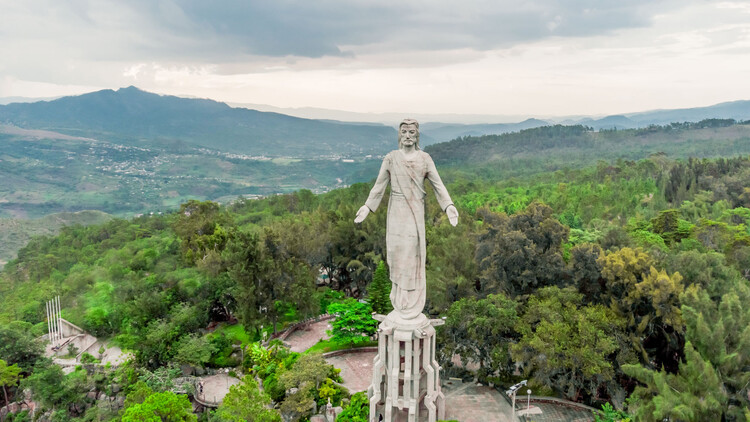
{"x":135,"y":117}
{"x":555,"y":147}
{"x":16,"y":233}
{"x":624,"y":279}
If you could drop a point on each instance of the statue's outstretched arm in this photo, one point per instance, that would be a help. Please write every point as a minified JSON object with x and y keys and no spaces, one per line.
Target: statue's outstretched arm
{"x":441,"y":193}
{"x":376,"y":193}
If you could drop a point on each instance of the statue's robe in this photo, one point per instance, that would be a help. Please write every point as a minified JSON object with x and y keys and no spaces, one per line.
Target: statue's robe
{"x":405,"y":233}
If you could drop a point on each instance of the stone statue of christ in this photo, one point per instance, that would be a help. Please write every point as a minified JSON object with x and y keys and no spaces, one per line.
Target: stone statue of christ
{"x":406,"y":169}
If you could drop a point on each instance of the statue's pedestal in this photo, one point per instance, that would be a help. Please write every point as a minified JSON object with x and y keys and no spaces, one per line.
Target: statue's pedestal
{"x":406,"y":376}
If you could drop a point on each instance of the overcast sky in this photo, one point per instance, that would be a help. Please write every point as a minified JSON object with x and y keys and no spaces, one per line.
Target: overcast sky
{"x":523,"y":57}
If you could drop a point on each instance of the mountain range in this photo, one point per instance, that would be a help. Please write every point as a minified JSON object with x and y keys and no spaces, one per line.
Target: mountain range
{"x":134,"y":117}
{"x":737,"y":110}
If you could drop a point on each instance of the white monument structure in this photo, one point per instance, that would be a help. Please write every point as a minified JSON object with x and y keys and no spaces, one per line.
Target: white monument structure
{"x":54,"y":322}
{"x":406,"y":376}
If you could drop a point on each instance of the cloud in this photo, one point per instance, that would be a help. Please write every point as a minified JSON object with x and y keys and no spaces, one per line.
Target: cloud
{"x":224,"y":31}
{"x":322,"y":28}
{"x":480,"y":56}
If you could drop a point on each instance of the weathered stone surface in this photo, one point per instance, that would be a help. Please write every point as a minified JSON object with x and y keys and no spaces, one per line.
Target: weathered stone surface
{"x":406,"y":170}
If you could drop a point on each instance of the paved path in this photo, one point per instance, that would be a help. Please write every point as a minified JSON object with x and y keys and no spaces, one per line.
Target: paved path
{"x":552,"y":412}
{"x":469,"y":402}
{"x":215,"y":387}
{"x":356,"y":369}
{"x":305,"y":338}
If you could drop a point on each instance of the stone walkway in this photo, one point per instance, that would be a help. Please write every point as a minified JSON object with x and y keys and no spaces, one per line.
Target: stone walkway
{"x":356,"y":369}
{"x":215,"y":387}
{"x":552,"y":412}
{"x":470,"y":402}
{"x":303,"y":339}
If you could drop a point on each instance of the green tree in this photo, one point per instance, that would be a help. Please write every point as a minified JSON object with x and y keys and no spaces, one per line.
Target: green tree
{"x":520,"y":253}
{"x":670,"y":227}
{"x":268,"y":278}
{"x":308,"y":369}
{"x":330,"y":390}
{"x":586,"y":271}
{"x":358,"y":409}
{"x":480,"y":330}
{"x":566,"y":346}
{"x":610,"y":414}
{"x":201,"y":227}
{"x":158,"y":343}
{"x":720,"y":333}
{"x":451,"y":268}
{"x":161,"y":379}
{"x":709,"y":270}
{"x":9,"y":376}
{"x":55,"y":390}
{"x":138,"y":394}
{"x":354,"y":249}
{"x":193,"y":350}
{"x":18,"y":345}
{"x":649,"y":300}
{"x":306,"y":376}
{"x":354,"y":323}
{"x":623,"y":269}
{"x":245,"y":402}
{"x":166,"y":406}
{"x":380,"y":290}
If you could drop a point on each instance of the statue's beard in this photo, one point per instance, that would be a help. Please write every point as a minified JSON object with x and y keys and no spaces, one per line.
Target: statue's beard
{"x":415,"y":144}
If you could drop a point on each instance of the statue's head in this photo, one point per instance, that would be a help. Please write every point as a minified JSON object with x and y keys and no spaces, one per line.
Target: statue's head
{"x":408,"y":128}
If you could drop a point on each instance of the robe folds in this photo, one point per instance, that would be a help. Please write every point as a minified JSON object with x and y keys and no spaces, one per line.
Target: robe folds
{"x":405,"y":231}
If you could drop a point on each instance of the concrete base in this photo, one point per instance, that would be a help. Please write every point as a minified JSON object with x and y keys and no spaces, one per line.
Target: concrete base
{"x":406,"y":376}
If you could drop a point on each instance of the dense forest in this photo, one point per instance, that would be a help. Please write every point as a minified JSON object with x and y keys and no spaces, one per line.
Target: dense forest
{"x":622,"y":281}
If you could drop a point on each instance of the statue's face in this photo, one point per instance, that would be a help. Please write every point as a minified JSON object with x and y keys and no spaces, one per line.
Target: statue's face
{"x":408,"y":135}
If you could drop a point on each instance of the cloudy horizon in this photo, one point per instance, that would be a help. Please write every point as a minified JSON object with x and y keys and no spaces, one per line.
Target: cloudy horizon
{"x":533,"y":58}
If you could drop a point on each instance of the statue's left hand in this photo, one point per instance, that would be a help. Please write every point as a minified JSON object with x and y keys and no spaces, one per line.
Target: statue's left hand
{"x":452,"y":213}
{"x":362,"y":213}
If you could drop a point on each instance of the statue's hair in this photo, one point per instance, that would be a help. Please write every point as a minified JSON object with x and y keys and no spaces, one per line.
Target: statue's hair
{"x":409,"y":122}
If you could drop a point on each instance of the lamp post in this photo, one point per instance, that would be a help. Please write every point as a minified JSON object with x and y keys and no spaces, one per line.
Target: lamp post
{"x":512,"y":392}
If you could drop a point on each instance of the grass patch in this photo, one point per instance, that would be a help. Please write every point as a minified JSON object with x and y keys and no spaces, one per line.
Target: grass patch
{"x":234,"y":333}
{"x":325,"y":346}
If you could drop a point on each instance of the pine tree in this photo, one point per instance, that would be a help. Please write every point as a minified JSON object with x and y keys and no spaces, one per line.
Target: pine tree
{"x":380,"y":290}
{"x":712,"y":380}
{"x":695,"y":393}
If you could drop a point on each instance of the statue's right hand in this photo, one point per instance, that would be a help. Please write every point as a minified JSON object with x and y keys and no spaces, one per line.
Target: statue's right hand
{"x":362,"y":214}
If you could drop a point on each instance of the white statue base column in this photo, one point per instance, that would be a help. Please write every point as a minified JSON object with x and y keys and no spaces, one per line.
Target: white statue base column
{"x":406,"y":376}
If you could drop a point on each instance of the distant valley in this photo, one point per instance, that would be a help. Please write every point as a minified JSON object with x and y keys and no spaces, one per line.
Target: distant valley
{"x":45,"y":172}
